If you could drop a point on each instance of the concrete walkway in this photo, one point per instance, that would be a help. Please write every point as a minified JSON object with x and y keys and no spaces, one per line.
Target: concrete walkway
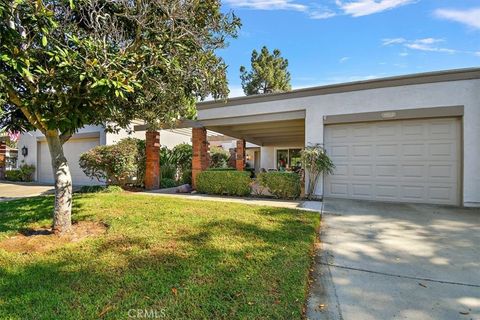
{"x":291,"y":204}
{"x":16,"y":190}
{"x":396,"y":261}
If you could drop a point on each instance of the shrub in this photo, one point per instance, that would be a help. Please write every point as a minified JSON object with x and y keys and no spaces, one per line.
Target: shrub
{"x":186,"y":177}
{"x":224,"y":182}
{"x":283,"y":185}
{"x":176,"y":163}
{"x":23,"y":173}
{"x":13,"y":175}
{"x":222,"y":169}
{"x":100,"y":189}
{"x":167,"y":183}
{"x":118,"y":164}
{"x":218,"y":157}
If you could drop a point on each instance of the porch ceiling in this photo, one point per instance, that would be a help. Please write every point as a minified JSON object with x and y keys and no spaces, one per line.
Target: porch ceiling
{"x":266,"y":133}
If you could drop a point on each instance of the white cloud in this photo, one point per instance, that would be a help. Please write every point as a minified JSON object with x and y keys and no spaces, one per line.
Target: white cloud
{"x":387,"y":42}
{"x":470,"y":17}
{"x":321,"y":14}
{"x":355,"y":8}
{"x":477,"y":53}
{"x":344,"y":59}
{"x":424,"y":44}
{"x":360,"y":8}
{"x":268,"y":4}
{"x":403,"y":54}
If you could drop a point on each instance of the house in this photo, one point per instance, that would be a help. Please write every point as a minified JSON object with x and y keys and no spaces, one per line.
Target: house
{"x":412,"y":138}
{"x":37,"y":152}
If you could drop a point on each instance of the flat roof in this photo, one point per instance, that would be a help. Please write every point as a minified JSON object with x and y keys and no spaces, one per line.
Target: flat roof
{"x":403,"y":80}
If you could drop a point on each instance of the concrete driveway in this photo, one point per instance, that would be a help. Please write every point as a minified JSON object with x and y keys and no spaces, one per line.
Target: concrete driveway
{"x":15,"y":190}
{"x":396,"y":261}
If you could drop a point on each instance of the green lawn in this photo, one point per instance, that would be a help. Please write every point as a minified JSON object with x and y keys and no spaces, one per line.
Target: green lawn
{"x":182,"y":259}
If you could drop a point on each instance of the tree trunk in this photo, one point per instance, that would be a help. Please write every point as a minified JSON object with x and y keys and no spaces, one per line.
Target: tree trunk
{"x":62,"y":212}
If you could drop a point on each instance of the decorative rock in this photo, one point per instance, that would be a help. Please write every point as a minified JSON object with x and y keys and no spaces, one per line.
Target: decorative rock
{"x":184,"y":188}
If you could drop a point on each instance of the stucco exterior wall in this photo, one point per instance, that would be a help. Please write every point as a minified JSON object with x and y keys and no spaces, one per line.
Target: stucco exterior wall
{"x":464,"y":93}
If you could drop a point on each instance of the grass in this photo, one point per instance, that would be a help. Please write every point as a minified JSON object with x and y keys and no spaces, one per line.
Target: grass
{"x":180,"y":259}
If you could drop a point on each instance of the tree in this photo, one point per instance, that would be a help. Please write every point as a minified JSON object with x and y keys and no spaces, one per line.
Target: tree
{"x":315,"y":161}
{"x":269,"y":73}
{"x":65,"y":64}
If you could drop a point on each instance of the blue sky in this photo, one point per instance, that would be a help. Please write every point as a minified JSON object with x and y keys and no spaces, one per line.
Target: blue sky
{"x":332,"y":41}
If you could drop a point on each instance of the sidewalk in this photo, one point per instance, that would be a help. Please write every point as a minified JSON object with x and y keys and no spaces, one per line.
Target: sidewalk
{"x":290,"y":204}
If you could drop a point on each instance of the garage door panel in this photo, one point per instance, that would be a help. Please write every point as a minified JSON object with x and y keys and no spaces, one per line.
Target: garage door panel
{"x":409,"y":160}
{"x":72,"y":150}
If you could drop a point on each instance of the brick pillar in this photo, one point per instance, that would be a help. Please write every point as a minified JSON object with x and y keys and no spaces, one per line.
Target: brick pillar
{"x":240,"y":155}
{"x":152,"y":153}
{"x":200,"y":152}
{"x":3,"y":155}
{"x":233,"y":158}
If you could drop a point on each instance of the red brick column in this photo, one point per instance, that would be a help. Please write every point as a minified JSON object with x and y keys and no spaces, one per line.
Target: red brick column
{"x":233,"y":158}
{"x":3,"y":154}
{"x":240,"y":155}
{"x":200,"y":152}
{"x":152,"y":153}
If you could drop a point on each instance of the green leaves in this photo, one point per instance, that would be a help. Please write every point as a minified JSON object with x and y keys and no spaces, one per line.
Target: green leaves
{"x":44,"y":41}
{"x":269,"y":73}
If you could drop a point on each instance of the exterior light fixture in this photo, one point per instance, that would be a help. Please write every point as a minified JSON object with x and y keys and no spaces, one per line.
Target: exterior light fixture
{"x":24,"y":151}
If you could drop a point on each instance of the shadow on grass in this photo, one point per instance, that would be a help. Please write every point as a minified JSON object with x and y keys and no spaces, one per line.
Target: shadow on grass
{"x":16,"y":215}
{"x":261,"y":274}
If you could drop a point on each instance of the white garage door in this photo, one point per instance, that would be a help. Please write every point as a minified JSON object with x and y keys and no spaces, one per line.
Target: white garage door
{"x":72,"y":149}
{"x":405,"y":161}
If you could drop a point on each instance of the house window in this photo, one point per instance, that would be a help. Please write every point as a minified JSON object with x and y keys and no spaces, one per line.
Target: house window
{"x":288,"y":159}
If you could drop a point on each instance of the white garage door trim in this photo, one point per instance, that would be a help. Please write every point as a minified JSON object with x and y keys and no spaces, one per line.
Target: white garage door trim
{"x":72,"y":149}
{"x":401,"y":161}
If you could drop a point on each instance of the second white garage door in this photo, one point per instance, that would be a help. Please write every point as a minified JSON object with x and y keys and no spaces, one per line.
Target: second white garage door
{"x":404,"y":161}
{"x":72,"y":149}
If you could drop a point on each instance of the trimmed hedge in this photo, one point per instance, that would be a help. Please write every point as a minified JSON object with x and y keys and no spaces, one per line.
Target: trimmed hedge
{"x":283,"y":185}
{"x":100,"y":189}
{"x":221,"y":169}
{"x":226,"y":182}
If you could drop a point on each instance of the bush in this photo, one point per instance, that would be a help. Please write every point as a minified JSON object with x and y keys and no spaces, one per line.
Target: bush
{"x":186,"y":177}
{"x":23,"y":173}
{"x":100,"y":189}
{"x":176,"y":163}
{"x":118,"y":164}
{"x":224,"y":182}
{"x":222,"y":169}
{"x":13,"y":175}
{"x":283,"y":185}
{"x":167,"y":183}
{"x":218,"y":157}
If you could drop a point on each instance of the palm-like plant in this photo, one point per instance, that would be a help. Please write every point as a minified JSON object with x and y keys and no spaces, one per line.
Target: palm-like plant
{"x":315,"y":161}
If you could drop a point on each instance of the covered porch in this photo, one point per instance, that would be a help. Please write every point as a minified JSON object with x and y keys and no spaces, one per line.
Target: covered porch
{"x":265,"y":142}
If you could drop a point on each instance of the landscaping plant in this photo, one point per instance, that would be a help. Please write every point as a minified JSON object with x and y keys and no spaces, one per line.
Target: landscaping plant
{"x":283,"y":185}
{"x":315,"y":161}
{"x":24,"y":173}
{"x":117,"y":164}
{"x":176,"y":164}
{"x":219,"y":157}
{"x":224,"y":182}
